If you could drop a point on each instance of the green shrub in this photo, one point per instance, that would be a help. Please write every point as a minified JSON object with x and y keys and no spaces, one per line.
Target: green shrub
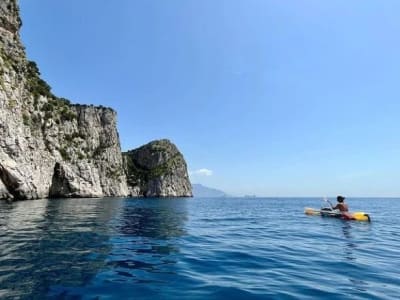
{"x":36,"y":85}
{"x":26,"y":120}
{"x":81,"y":155}
{"x":12,"y":103}
{"x":68,"y":115}
{"x":64,"y":154}
{"x":64,"y":101}
{"x":49,"y":106}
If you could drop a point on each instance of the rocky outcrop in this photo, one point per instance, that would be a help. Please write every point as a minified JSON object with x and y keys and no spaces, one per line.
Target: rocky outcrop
{"x":49,"y":147}
{"x":4,"y":194}
{"x":157,"y":169}
{"x":52,"y":148}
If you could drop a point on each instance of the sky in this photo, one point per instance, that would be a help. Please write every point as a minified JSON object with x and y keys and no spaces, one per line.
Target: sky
{"x":264,"y":97}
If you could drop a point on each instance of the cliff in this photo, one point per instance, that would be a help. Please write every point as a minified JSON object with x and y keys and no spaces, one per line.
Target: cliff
{"x":157,"y":169}
{"x":48,"y":147}
{"x":52,"y":148}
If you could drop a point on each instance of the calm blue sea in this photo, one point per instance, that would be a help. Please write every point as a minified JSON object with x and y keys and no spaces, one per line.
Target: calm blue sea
{"x":229,"y":248}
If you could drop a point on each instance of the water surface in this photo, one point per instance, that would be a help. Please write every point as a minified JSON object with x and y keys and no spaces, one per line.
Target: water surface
{"x":237,"y":248}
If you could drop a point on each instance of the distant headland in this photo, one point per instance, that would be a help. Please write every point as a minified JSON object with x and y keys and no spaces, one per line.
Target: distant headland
{"x":201,"y":191}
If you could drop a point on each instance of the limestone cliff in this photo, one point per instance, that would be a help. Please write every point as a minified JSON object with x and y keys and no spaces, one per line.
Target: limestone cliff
{"x":49,"y":147}
{"x":157,"y":169}
{"x":52,"y":148}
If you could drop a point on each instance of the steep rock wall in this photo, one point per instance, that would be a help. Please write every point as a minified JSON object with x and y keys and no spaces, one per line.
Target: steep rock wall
{"x":157,"y":169}
{"x":48,"y":147}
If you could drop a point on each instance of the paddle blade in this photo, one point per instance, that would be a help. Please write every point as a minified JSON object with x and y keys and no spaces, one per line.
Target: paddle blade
{"x":311,"y":211}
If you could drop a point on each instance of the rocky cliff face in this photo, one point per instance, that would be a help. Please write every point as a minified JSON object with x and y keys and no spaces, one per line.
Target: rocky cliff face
{"x":48,"y":147}
{"x":52,"y":148}
{"x":157,"y":169}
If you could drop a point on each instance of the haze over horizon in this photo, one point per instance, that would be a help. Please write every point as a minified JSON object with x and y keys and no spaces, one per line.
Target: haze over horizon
{"x":271,"y":98}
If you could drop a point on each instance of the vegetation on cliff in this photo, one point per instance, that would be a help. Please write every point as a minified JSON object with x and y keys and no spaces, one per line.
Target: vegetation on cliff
{"x":156,"y":166}
{"x":52,"y":148}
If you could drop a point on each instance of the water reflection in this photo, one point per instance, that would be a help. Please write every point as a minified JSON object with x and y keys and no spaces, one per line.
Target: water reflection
{"x":47,"y":242}
{"x":351,"y":249}
{"x":350,"y":245}
{"x":161,"y":219}
{"x":146,"y":249}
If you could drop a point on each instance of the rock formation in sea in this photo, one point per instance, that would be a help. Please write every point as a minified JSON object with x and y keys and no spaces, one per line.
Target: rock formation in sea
{"x":48,"y":146}
{"x":157,"y":169}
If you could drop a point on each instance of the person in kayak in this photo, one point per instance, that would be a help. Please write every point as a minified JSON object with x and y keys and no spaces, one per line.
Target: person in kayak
{"x":342,"y":206}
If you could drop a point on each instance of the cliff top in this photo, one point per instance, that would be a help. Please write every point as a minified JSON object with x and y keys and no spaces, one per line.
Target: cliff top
{"x":9,"y":16}
{"x":13,"y":55}
{"x":156,"y":145}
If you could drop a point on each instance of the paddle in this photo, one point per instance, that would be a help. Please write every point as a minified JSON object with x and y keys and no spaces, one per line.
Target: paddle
{"x":326,"y":200}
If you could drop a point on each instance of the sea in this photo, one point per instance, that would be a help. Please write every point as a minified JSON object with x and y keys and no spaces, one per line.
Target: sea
{"x":197,"y":248}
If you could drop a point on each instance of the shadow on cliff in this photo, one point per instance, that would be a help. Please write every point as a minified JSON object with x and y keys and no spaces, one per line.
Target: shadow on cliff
{"x":60,"y":186}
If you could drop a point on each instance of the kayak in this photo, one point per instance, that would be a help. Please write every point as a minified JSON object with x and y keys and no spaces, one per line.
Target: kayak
{"x":326,"y":212}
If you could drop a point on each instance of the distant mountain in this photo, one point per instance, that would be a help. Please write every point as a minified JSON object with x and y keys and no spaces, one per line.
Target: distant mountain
{"x":201,"y":191}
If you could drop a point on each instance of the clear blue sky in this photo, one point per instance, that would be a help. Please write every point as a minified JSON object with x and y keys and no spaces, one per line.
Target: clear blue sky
{"x":274,"y":98}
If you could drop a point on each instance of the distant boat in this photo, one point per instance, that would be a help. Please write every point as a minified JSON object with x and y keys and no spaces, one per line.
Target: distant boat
{"x":250,"y":196}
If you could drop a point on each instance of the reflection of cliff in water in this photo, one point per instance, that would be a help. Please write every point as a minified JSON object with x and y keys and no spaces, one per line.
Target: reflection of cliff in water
{"x":154,"y":218}
{"x":147,"y":249}
{"x":46,"y":243}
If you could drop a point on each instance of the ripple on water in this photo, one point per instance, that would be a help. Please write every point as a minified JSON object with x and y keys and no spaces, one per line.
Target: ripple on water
{"x":195,"y":249}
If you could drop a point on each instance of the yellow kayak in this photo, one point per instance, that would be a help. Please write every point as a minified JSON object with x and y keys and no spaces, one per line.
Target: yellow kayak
{"x":355,"y":216}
